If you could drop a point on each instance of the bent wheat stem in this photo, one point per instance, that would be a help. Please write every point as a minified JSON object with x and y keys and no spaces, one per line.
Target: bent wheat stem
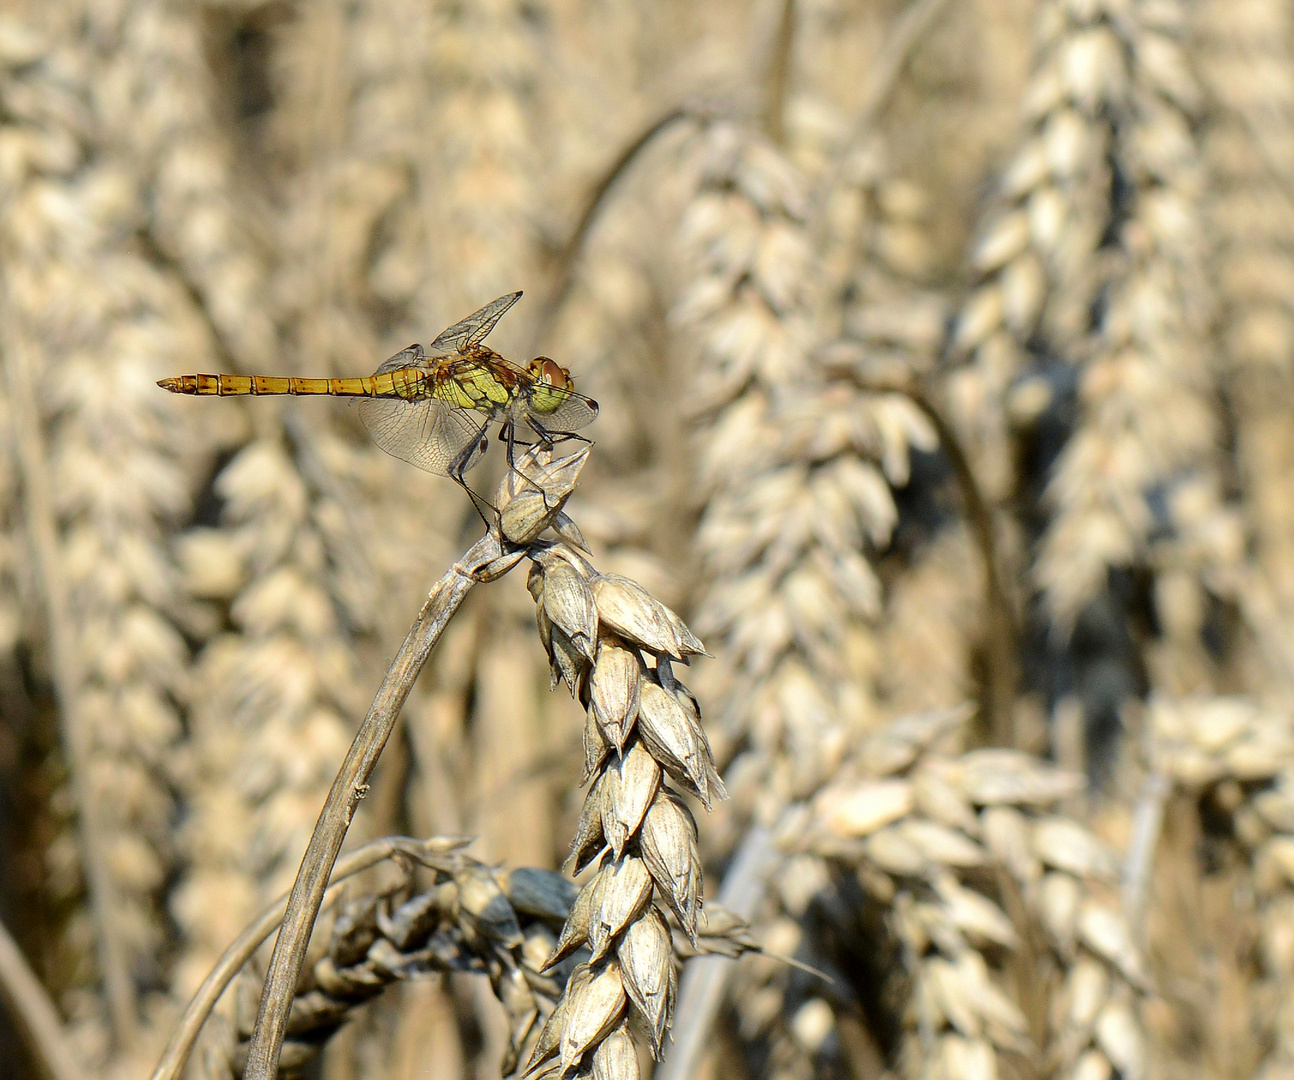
{"x":348,"y":788}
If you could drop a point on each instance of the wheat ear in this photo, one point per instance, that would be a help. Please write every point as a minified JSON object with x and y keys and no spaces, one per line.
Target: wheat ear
{"x":924,"y":830}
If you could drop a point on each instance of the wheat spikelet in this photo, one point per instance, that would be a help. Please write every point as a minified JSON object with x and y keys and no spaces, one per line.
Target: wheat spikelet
{"x":271,"y":702}
{"x":1036,"y":259}
{"x":615,"y":646}
{"x":877,"y":267}
{"x":353,"y":149}
{"x":421,"y":168}
{"x":1086,"y":336}
{"x":1121,"y":466}
{"x":878,"y":264}
{"x":162,"y":107}
{"x":798,"y":460}
{"x":91,"y":324}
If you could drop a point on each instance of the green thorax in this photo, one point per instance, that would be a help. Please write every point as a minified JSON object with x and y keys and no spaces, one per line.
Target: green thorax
{"x":473,"y":385}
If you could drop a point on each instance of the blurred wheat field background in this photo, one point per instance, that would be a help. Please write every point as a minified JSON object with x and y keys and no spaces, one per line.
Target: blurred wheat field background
{"x":945,"y":354}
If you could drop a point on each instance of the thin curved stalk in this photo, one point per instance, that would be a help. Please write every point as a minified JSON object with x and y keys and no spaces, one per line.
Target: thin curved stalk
{"x":568,"y":257}
{"x":1002,"y":633}
{"x":778,"y":75}
{"x":918,"y":17}
{"x":38,"y":1020}
{"x":243,"y":948}
{"x":1147,"y":827}
{"x":349,"y":787}
{"x":42,"y":533}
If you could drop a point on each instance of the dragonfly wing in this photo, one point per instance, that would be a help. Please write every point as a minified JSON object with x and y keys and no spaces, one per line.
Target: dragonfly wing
{"x":405,"y":358}
{"x":427,"y":432}
{"x":575,"y":412}
{"x":472,"y":330}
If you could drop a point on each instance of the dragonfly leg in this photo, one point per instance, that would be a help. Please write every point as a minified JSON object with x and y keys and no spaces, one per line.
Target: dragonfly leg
{"x":509,"y":435}
{"x":460,"y":465}
{"x":552,"y":438}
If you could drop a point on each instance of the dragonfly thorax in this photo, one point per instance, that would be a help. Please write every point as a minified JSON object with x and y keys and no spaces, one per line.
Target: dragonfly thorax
{"x":477,"y":385}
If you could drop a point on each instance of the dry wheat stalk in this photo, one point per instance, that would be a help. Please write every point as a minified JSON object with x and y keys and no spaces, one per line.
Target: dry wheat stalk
{"x":1001,"y":916}
{"x":796,"y":466}
{"x":1101,"y":201}
{"x":1093,"y":302}
{"x":1036,"y":259}
{"x":89,"y":325}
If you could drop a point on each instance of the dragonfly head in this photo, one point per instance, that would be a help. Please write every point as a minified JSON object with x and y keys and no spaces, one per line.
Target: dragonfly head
{"x":552,"y":385}
{"x":546,"y":370}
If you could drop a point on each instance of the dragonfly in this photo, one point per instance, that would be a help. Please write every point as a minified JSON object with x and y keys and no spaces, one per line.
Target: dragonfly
{"x":434,"y":406}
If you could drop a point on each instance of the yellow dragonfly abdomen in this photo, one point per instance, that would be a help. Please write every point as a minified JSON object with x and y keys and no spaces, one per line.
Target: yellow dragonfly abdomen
{"x":408,"y":383}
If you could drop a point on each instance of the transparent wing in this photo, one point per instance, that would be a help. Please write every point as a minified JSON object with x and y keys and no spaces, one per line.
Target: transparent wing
{"x":472,"y":330}
{"x":575,"y":412}
{"x":408,"y":357}
{"x":428,"y":432}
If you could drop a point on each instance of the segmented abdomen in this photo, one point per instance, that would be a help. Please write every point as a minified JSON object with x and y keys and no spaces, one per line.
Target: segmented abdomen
{"x":406,"y":383}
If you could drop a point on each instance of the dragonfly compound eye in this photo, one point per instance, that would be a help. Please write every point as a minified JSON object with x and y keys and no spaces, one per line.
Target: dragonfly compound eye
{"x":552,"y":385}
{"x":546,"y":369}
